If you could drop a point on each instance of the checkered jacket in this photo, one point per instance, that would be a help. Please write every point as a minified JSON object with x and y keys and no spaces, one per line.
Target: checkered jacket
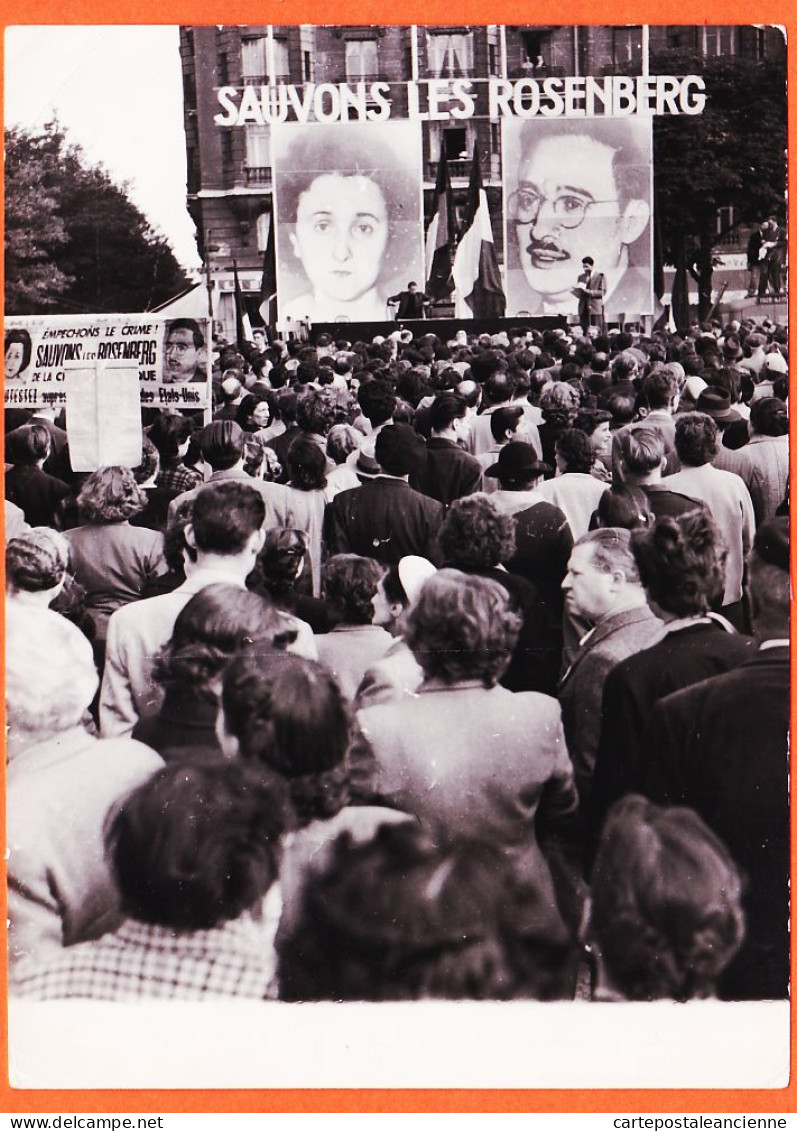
{"x":140,"y":961}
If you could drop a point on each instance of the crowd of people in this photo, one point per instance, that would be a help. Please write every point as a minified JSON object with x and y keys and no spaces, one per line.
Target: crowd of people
{"x":425,"y":669}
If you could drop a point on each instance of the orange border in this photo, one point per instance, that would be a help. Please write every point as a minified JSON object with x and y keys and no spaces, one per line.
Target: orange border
{"x":405,"y":1100}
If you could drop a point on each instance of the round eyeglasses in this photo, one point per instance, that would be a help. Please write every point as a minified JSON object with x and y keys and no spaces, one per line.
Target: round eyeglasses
{"x":568,"y":210}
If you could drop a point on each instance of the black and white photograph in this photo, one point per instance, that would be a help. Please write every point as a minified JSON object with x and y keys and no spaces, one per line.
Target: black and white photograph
{"x":397,"y":556}
{"x":578,"y":189}
{"x":349,"y":218}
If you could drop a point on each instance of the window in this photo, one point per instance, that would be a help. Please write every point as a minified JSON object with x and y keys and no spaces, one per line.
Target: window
{"x":718,"y":41}
{"x":258,"y":148}
{"x":362,"y":62}
{"x":223,"y":69}
{"x":253,"y":60}
{"x":492,"y":58}
{"x":450,"y":54}
{"x":307,"y":66}
{"x":627,"y":49}
{"x":263,"y":225}
{"x":281,"y":65}
{"x":725,"y":219}
{"x":532,"y":48}
{"x":456,"y":143}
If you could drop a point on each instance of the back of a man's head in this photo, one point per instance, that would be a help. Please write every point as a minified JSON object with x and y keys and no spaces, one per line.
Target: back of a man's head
{"x":377,"y":401}
{"x":642,"y":450}
{"x":222,"y":444}
{"x":499,"y":388}
{"x":225,"y":516}
{"x":769,"y":579}
{"x":446,"y":409}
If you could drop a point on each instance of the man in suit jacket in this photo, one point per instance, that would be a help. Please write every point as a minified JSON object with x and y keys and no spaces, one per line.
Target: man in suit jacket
{"x":602,"y":586}
{"x":591,"y":290}
{"x":224,"y":539}
{"x":385,"y":518}
{"x":721,"y":747}
{"x":449,"y":472}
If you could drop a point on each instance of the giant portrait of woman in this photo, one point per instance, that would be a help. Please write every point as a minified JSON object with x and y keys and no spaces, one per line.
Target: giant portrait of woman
{"x":349,"y":218}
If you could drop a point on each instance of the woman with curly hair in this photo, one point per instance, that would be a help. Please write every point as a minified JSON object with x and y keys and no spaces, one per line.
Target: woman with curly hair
{"x":217,"y":623}
{"x":111,"y":559}
{"x":286,"y":716}
{"x":681,"y":563}
{"x":281,"y":575}
{"x":559,"y":403}
{"x":477,"y":538}
{"x":465,"y":755}
{"x":355,"y":642}
{"x":666,"y":916}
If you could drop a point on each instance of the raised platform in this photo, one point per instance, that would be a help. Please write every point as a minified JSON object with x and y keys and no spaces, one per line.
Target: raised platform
{"x":444,"y":328}
{"x":775,"y":308}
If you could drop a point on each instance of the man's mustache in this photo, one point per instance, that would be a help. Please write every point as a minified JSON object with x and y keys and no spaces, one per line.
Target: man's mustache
{"x":549,"y":246}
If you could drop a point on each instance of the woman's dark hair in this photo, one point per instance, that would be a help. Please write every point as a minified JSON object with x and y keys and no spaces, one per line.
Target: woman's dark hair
{"x":462,"y":627}
{"x":307,"y":465}
{"x":476,"y":535}
{"x":350,"y":582}
{"x":625,"y":507}
{"x":681,"y":562}
{"x":769,"y":417}
{"x":666,"y":902}
{"x":574,"y":448}
{"x":22,"y":338}
{"x":289,"y":715}
{"x":281,"y":559}
{"x":168,"y":432}
{"x":218,"y":622}
{"x":110,"y":494}
{"x":354,"y":152}
{"x":243,"y":413}
{"x":402,"y":917}
{"x":197,"y":845}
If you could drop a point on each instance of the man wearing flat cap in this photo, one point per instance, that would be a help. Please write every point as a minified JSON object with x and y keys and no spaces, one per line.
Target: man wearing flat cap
{"x":721,"y":748}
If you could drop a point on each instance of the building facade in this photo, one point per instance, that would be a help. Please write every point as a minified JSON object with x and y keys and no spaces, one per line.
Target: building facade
{"x":229,"y":175}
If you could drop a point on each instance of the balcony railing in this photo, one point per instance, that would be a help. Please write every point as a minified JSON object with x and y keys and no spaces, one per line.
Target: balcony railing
{"x":455,"y":168}
{"x":258,"y":174}
{"x":263,"y":80}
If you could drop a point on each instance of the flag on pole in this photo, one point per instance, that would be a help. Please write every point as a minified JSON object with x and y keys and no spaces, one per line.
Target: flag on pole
{"x":243,"y":327}
{"x":477,"y":280}
{"x":440,"y":235}
{"x":268,"y":284}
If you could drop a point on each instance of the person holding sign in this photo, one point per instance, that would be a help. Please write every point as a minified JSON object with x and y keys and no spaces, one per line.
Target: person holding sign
{"x":184,"y":356}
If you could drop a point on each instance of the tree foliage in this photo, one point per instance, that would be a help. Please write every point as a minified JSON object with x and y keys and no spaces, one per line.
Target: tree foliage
{"x":734,"y":153}
{"x":74,"y":241}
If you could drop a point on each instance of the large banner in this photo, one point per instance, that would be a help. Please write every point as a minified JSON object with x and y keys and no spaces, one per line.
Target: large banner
{"x":349,"y":209}
{"x":576,"y":188}
{"x":171,"y":355}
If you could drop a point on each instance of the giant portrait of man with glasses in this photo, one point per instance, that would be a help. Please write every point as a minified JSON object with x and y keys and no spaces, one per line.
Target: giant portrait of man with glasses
{"x":577,"y":188}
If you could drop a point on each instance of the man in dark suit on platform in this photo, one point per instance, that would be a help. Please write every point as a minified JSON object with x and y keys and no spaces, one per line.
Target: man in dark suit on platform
{"x":721,"y":747}
{"x":590,"y":291}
